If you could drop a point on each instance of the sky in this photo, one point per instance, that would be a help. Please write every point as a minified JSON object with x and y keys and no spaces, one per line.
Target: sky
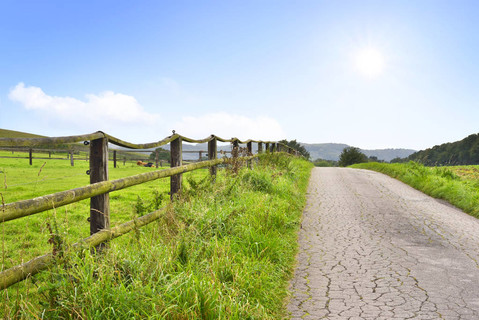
{"x":371,"y":74}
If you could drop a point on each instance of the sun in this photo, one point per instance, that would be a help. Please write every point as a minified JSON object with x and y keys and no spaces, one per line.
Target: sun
{"x":369,"y":62}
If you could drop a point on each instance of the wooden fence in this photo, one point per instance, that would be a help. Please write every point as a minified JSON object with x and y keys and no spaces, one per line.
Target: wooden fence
{"x":100,"y":186}
{"x":72,"y":155}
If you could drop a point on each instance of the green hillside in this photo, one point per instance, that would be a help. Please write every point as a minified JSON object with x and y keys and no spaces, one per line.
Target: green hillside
{"x":464,"y":152}
{"x":4,"y":133}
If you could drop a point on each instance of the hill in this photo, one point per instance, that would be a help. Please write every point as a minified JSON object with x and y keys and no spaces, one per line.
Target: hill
{"x":331,"y":151}
{"x":464,"y":152}
{"x":4,"y":133}
{"x":388,"y":154}
{"x":326,"y":151}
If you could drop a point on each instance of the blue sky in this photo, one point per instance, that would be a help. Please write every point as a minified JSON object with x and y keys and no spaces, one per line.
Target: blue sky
{"x":258,"y":69}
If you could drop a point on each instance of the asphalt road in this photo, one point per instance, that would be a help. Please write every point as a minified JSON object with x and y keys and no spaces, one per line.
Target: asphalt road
{"x":372,"y":247}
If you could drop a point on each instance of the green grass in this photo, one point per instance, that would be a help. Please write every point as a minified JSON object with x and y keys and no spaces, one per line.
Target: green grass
{"x":224,"y":251}
{"x":27,"y":238}
{"x":457,"y":185}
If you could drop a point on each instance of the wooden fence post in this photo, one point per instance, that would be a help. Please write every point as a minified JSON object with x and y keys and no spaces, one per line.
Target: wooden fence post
{"x":267,"y":147}
{"x":157,"y":156}
{"x":235,"y":151}
{"x":260,"y":147}
{"x":114,"y":158}
{"x":290,"y":150}
{"x":99,"y":205}
{"x":72,"y":162}
{"x":249,"y":147}
{"x":212,"y":154}
{"x":30,"y":155}
{"x":176,"y":158}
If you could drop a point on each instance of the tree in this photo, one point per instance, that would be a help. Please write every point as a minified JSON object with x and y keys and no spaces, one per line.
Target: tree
{"x":351,"y":155}
{"x":397,"y":160}
{"x":297,"y":146}
{"x":162,"y":154}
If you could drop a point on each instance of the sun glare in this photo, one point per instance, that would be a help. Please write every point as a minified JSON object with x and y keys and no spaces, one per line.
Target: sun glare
{"x":369,"y":62}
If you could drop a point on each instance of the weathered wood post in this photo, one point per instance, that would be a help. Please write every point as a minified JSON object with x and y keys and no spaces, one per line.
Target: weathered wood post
{"x":49,"y":154}
{"x":124,"y":161}
{"x":273,"y":147}
{"x":72,"y":162}
{"x":99,"y":205}
{"x":290,"y":150}
{"x":235,"y":151}
{"x":114,"y":158}
{"x":249,"y":147}
{"x":260,"y":147}
{"x":267,"y":147}
{"x":30,"y":155}
{"x":212,"y":155}
{"x":157,"y":157}
{"x":176,"y":158}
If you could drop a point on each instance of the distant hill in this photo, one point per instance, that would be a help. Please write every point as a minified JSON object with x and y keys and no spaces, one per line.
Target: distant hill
{"x":388,"y":154}
{"x":464,"y":152}
{"x":332,"y":151}
{"x":4,"y":133}
{"x":326,"y":151}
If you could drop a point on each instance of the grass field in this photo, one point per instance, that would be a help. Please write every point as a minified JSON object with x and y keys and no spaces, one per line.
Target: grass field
{"x":226,"y":251}
{"x":459,"y":185}
{"x":27,"y":238}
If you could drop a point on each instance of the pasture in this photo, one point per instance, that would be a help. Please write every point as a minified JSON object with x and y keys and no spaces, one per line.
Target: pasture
{"x":27,"y":238}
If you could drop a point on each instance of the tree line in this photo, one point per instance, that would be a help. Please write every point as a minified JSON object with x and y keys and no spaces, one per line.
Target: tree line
{"x":464,"y":152}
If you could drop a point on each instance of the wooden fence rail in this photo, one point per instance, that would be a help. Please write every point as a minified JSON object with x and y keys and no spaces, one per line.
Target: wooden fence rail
{"x":99,"y":188}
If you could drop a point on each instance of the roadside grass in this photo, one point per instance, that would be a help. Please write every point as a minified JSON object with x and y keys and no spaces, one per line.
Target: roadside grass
{"x":459,"y":185}
{"x":225,"y":250}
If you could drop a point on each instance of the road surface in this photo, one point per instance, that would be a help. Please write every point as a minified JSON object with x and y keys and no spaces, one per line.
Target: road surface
{"x":372,"y":247}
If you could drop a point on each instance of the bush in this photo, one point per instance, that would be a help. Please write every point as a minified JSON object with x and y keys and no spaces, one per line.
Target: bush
{"x":351,"y":155}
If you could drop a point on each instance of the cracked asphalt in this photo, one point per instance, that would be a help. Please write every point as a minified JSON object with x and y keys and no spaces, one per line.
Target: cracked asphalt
{"x":372,"y":247}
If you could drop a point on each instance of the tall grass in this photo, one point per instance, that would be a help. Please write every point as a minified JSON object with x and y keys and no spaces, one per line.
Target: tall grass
{"x":439,"y":182}
{"x":225,"y":250}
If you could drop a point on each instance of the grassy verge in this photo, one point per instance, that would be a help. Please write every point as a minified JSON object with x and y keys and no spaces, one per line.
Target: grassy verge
{"x":452,"y":184}
{"x":224,"y":251}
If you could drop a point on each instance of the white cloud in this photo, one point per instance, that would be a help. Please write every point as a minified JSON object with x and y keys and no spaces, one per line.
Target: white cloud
{"x":122,"y":116}
{"x":98,"y":112}
{"x":226,"y":125}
